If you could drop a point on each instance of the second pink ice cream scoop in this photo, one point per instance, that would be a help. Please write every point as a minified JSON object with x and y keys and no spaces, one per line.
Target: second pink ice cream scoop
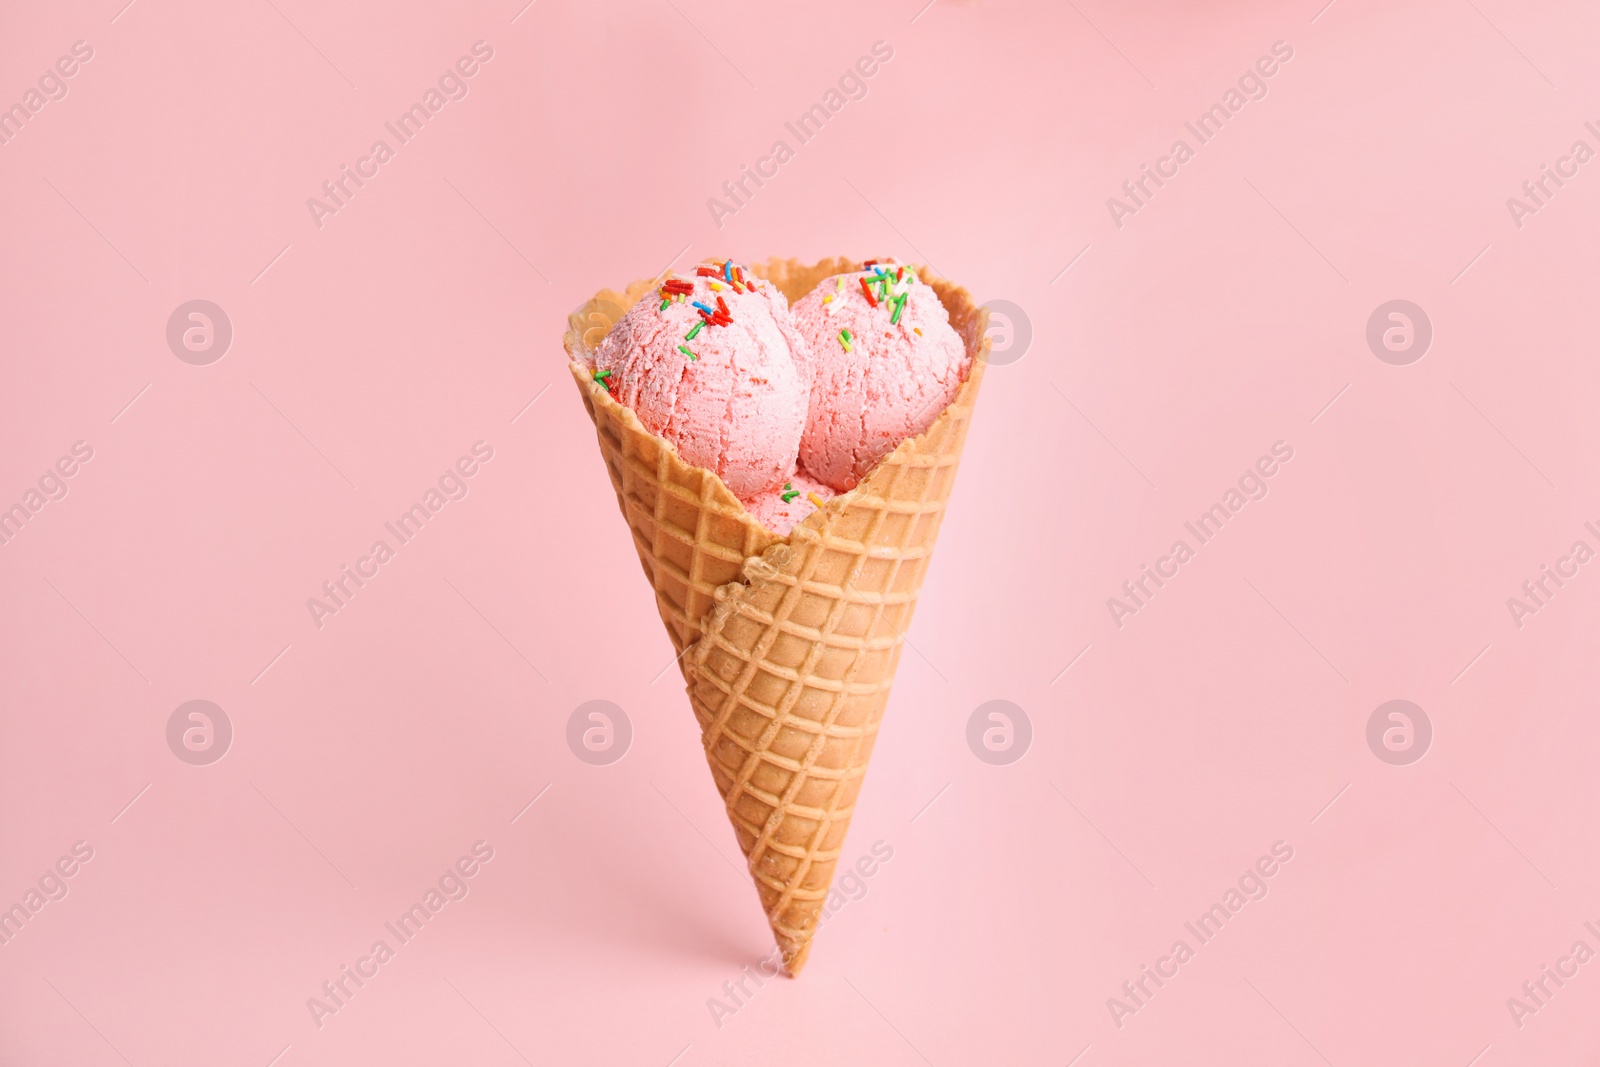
{"x":887,"y":363}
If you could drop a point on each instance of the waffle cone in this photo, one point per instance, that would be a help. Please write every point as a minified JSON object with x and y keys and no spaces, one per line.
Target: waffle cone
{"x":788,"y":645}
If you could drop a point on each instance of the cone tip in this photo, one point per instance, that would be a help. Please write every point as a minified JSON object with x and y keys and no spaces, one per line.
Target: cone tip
{"x":794,"y":959}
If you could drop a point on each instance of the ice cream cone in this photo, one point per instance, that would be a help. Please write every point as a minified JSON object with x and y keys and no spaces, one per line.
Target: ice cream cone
{"x":788,"y":645}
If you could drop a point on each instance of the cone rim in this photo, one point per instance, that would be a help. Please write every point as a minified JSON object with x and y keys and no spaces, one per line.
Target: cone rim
{"x":975,"y":340}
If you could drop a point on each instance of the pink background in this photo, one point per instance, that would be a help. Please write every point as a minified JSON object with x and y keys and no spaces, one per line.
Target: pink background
{"x":1230,"y":713}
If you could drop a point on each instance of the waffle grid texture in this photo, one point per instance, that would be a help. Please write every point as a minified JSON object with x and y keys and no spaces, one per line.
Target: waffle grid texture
{"x":788,"y":646}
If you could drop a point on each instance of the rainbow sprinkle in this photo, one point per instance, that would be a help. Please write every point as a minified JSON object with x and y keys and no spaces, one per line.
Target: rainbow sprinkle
{"x":727,"y":271}
{"x":789,"y":492}
{"x":815,"y":499}
{"x":686,"y":352}
{"x":672,"y":289}
{"x":691,"y":334}
{"x":601,"y":375}
{"x":899,"y":306}
{"x":844,"y":339}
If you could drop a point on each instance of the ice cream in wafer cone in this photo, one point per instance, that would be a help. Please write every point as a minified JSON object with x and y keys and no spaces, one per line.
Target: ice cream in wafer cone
{"x":788,"y":645}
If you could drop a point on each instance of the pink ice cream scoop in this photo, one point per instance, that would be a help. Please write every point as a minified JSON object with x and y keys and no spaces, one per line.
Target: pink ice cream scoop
{"x":782,"y":508}
{"x":711,"y":361}
{"x":887,"y":363}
